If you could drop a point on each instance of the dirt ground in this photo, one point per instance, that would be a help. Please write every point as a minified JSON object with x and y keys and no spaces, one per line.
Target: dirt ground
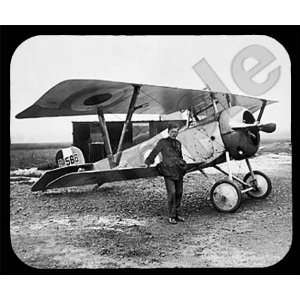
{"x":124,"y":224}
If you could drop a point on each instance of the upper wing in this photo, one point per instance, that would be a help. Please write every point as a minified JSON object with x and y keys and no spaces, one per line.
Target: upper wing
{"x":82,"y":97}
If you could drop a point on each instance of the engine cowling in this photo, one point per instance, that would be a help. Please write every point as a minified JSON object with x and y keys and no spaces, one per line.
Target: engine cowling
{"x":238,"y":131}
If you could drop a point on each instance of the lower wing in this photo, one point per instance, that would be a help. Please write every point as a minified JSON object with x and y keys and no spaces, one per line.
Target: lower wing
{"x":97,"y":177}
{"x":69,"y":176}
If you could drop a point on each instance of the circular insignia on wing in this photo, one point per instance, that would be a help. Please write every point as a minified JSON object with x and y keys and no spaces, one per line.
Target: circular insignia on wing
{"x":90,"y":100}
{"x":97,"y":99}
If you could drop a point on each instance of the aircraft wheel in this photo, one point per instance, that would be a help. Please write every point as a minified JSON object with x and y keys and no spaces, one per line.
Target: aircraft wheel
{"x":264,"y":185}
{"x":225,"y":196}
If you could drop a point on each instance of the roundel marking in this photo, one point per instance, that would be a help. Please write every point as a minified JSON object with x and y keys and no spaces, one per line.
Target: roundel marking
{"x":105,"y":100}
{"x":97,"y":99}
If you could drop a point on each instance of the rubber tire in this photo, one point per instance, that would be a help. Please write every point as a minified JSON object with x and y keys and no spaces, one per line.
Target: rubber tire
{"x":238,"y":191}
{"x":269,"y":189}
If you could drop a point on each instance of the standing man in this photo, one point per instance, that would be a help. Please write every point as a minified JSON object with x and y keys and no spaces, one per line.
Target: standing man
{"x":173,"y":168}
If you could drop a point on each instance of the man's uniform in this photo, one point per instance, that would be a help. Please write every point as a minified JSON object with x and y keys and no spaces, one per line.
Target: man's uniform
{"x":173,"y":169}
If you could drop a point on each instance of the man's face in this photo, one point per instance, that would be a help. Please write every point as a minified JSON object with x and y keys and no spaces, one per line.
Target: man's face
{"x":173,"y":133}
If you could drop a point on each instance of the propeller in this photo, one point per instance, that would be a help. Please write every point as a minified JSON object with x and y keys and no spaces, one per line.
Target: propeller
{"x":268,"y":128}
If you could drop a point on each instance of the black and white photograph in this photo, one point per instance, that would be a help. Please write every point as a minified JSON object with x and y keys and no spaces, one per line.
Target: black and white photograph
{"x":150,"y":152}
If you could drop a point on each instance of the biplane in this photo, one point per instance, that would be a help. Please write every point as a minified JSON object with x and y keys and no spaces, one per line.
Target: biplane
{"x":219,"y":127}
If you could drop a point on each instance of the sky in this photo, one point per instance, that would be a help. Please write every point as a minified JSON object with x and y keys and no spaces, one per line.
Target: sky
{"x":41,"y":62}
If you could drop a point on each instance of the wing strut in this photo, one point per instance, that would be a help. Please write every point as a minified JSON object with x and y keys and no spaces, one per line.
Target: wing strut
{"x":214,"y":103}
{"x":261,"y":110}
{"x":130,"y":112}
{"x":105,"y":135}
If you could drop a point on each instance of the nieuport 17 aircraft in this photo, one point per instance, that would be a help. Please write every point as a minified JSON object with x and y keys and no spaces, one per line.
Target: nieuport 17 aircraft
{"x":219,"y":127}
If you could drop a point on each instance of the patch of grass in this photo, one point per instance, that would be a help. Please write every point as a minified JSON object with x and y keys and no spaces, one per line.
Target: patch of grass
{"x":34,"y":146}
{"x":30,"y":155}
{"x":30,"y":158}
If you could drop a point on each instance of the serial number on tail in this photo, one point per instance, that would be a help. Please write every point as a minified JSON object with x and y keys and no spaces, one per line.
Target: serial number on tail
{"x":68,"y":161}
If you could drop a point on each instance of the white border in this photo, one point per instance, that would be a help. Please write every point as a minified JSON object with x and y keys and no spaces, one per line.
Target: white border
{"x":190,"y":12}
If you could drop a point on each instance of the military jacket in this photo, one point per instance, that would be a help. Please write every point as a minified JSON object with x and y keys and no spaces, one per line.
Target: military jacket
{"x":172,"y":165}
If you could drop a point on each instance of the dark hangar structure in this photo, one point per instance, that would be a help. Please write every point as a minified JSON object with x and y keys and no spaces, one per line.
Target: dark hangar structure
{"x":88,"y":138}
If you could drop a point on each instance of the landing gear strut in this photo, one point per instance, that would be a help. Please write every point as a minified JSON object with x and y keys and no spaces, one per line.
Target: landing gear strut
{"x":226,"y":195}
